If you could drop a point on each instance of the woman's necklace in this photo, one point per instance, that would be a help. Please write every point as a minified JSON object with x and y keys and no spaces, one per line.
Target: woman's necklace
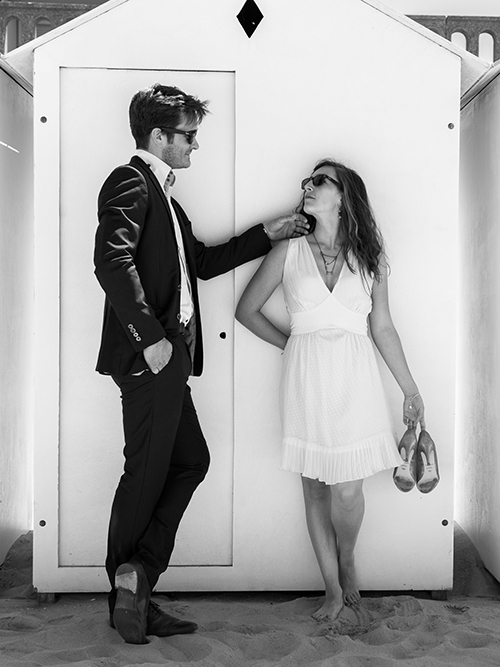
{"x":332,"y":258}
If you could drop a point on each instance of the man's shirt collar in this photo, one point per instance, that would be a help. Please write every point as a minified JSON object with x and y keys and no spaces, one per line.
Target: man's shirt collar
{"x":159,"y":168}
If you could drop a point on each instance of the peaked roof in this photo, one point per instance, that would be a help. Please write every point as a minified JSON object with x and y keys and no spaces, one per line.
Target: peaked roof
{"x":475,"y":90}
{"x":473,"y":68}
{"x":14,"y":74}
{"x":22,"y":57}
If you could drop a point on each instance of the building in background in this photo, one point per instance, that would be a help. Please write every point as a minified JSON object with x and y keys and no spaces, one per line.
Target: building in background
{"x":478,"y":34}
{"x":22,"y":21}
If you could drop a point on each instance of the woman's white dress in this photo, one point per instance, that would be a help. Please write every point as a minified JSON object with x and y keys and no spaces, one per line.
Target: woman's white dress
{"x":336,"y":426}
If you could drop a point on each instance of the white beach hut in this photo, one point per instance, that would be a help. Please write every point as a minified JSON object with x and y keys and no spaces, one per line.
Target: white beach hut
{"x":352,"y":80}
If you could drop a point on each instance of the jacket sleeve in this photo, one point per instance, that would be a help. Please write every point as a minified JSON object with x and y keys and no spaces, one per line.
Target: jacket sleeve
{"x":122,"y":207}
{"x":212,"y":261}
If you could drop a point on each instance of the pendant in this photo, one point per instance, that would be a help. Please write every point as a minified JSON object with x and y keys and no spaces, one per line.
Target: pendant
{"x":326,"y":264}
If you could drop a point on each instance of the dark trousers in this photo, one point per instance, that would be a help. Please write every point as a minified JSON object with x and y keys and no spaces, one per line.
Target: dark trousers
{"x":166,"y":457}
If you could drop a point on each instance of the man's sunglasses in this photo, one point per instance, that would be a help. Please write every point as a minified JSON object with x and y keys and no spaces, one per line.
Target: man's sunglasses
{"x":189,"y":134}
{"x":319,"y":179}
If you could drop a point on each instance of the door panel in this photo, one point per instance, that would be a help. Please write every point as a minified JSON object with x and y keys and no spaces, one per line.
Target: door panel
{"x":94,"y":139}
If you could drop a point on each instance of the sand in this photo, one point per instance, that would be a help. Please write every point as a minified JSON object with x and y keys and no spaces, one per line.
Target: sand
{"x":239,"y":630}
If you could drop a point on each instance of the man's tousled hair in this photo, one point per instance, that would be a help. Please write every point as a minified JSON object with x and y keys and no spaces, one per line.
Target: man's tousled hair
{"x":162,"y":106}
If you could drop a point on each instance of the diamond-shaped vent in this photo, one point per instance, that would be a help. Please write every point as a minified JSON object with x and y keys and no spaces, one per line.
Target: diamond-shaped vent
{"x":250,"y":16}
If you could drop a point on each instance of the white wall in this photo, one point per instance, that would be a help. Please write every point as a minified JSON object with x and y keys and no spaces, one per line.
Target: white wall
{"x":478,"y":415}
{"x":16,"y":308}
{"x":356,"y":84}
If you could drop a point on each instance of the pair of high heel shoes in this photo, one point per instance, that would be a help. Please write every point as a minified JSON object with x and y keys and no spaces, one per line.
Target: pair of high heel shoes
{"x":420,"y":464}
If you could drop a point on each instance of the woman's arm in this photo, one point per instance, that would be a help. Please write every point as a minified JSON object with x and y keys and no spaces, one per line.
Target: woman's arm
{"x":258,"y":291}
{"x":388,"y":343}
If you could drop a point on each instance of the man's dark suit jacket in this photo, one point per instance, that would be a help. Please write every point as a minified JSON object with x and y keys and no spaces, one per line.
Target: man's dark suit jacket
{"x":137,"y":265}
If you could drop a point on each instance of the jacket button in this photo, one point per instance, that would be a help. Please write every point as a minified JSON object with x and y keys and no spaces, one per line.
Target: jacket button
{"x":179,"y":288}
{"x":179,"y":317}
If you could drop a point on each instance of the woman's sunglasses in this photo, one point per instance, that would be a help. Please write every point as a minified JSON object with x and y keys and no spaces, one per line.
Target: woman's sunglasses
{"x":189,"y":134}
{"x":319,"y":179}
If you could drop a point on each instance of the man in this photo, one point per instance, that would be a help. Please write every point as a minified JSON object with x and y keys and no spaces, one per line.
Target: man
{"x":147,"y":260}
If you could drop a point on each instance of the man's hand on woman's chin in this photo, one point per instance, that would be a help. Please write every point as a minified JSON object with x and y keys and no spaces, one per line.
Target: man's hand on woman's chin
{"x":286,"y":227}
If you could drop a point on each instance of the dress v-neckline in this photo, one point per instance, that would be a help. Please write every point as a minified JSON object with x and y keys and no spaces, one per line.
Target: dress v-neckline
{"x":330,"y":291}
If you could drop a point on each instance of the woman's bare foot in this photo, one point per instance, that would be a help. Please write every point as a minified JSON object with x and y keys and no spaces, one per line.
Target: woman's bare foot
{"x":348,"y":581}
{"x":329,"y":610}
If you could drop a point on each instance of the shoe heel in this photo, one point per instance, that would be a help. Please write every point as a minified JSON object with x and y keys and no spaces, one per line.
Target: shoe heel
{"x":427,"y":464}
{"x":404,"y":475}
{"x":126,"y":579}
{"x":132,"y":599}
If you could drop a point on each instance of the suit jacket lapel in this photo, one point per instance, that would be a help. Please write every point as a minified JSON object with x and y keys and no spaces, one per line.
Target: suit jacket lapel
{"x":146,"y":169}
{"x":188,"y":243}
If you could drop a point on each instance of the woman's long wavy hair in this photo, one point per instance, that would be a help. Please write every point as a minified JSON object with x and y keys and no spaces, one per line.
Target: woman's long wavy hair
{"x":358,"y":231}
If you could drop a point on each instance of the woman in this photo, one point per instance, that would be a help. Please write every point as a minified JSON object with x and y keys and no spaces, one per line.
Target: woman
{"x":336,"y":428}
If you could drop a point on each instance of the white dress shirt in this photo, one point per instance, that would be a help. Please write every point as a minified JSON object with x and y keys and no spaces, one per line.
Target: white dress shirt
{"x":161,"y":172}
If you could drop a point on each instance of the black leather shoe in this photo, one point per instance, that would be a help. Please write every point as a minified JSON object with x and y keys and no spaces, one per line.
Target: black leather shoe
{"x":162,"y":624}
{"x":132,"y":602}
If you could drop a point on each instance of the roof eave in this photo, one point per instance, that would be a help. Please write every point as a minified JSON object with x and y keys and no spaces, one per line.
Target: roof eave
{"x":473,"y":68}
{"x":15,"y":75}
{"x":21,"y":59}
